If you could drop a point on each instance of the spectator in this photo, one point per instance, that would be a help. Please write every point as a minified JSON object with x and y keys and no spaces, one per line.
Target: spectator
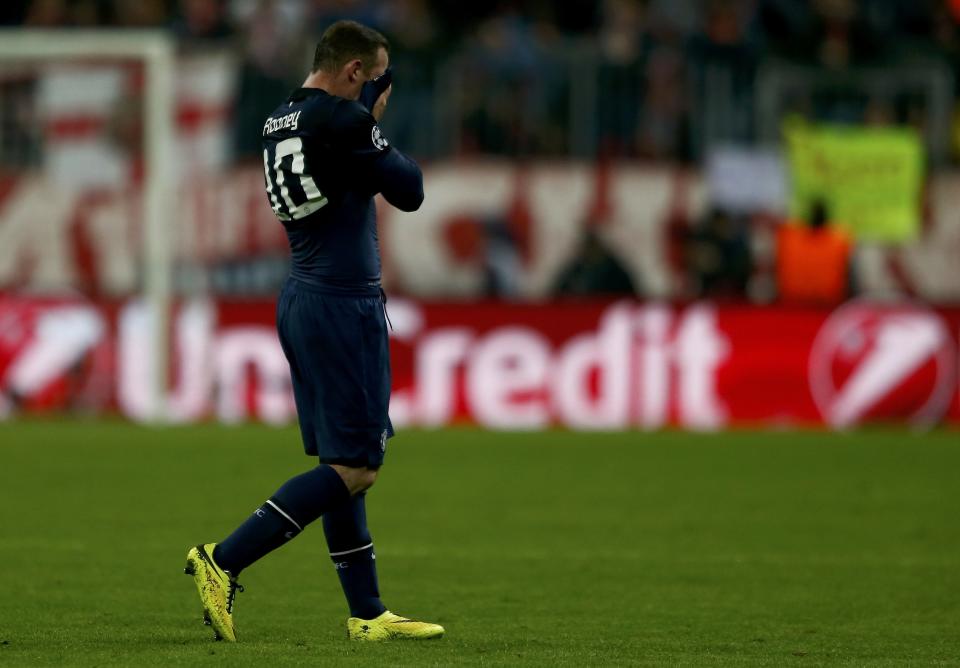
{"x":721,"y":63}
{"x":509,"y":79}
{"x":273,"y":64}
{"x":813,"y":260}
{"x":718,"y":257}
{"x":595,"y":271}
{"x":202,"y":20}
{"x":60,"y":13}
{"x":140,"y":14}
{"x":414,"y":45}
{"x":622,"y":42}
{"x":502,"y":262}
{"x":14,"y":12}
{"x":367,"y":12}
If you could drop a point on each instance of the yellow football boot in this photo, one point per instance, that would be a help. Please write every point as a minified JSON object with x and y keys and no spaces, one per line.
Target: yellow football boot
{"x":389,"y":626}
{"x":217,"y":589}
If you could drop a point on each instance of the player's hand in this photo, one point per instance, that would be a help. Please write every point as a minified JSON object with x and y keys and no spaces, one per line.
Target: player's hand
{"x":381,"y":104}
{"x":372,"y":90}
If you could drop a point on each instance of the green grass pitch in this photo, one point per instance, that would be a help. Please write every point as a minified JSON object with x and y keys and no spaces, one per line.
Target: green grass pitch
{"x":741,"y":548}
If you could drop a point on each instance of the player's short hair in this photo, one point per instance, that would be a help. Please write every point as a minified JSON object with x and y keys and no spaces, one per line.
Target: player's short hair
{"x":345,"y":41}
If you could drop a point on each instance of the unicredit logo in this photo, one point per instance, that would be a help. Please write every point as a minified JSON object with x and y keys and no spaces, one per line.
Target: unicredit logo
{"x":875,"y":359}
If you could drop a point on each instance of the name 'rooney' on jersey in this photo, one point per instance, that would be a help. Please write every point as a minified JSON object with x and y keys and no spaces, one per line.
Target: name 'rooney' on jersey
{"x":284,"y":122}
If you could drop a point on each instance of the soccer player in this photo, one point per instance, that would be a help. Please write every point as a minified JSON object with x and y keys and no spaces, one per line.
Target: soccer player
{"x":324,"y":159}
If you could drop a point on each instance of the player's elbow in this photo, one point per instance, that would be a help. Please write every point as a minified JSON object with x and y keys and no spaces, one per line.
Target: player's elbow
{"x":407,"y":194}
{"x":412,"y":201}
{"x":406,"y":200}
{"x":402,"y":181}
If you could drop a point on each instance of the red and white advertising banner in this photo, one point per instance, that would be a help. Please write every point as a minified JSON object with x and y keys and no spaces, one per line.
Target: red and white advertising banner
{"x":583,"y":365}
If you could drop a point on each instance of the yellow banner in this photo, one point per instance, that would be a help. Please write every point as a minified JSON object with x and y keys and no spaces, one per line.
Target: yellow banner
{"x":870,"y":178}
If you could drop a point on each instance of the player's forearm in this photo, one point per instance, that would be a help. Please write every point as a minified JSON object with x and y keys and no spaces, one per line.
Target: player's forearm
{"x":400,"y":181}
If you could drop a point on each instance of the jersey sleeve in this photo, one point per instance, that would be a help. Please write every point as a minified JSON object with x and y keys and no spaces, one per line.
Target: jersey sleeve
{"x":381,"y":167}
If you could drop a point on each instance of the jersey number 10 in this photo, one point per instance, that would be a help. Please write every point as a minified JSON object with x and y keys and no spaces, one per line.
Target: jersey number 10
{"x":284,"y":204}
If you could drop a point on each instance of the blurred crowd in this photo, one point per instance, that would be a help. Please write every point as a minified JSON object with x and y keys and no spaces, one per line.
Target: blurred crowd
{"x":662,"y":80}
{"x":538,"y":77}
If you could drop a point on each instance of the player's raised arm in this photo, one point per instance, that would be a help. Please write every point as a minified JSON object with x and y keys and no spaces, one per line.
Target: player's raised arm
{"x":386,"y":169}
{"x":399,"y":179}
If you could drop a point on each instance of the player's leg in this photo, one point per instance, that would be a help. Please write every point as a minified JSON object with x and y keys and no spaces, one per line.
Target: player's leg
{"x":297,"y":503}
{"x":281,"y":518}
{"x":351,"y":549}
{"x":316,"y":333}
{"x":348,"y":537}
{"x":304,"y":498}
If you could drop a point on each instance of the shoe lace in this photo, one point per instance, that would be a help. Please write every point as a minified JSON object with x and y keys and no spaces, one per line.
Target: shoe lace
{"x":232,"y":590}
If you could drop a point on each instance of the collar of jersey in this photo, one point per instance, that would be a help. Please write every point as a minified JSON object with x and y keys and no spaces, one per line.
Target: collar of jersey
{"x":303,"y":93}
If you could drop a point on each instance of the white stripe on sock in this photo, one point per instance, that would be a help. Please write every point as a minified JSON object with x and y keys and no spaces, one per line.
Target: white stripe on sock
{"x":356,"y":549}
{"x":277,"y":508}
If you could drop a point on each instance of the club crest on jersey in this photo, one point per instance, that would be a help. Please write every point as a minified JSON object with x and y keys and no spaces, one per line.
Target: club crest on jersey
{"x":379,"y":141}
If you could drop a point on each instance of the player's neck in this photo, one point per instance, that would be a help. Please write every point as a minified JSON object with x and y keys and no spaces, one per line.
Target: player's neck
{"x":320,"y":80}
{"x":325,"y":82}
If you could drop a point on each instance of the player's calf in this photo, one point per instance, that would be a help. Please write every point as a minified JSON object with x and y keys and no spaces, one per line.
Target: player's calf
{"x":297,"y":503}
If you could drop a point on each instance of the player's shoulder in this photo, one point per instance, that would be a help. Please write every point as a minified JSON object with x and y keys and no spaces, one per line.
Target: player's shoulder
{"x":356,"y":128}
{"x":350,"y":114}
{"x":305,"y":110}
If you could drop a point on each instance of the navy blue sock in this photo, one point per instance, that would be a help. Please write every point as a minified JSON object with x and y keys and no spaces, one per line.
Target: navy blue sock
{"x":351,"y":549}
{"x":296,"y":504}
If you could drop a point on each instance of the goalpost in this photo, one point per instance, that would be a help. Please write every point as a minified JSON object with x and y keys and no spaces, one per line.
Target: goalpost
{"x":155,"y":50}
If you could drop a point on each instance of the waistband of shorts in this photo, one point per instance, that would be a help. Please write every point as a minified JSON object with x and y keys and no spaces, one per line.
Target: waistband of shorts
{"x":334,"y":289}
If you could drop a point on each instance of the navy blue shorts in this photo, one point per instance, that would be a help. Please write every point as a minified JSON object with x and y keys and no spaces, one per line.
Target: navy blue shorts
{"x":339,"y":354}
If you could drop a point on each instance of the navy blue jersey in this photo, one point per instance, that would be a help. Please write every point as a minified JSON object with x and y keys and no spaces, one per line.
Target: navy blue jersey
{"x":324,"y":158}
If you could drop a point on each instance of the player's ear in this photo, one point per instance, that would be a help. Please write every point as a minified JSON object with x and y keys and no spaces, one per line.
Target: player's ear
{"x":355,"y":70}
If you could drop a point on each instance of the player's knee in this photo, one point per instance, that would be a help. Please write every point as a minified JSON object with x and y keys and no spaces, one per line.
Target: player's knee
{"x":356,"y":479}
{"x":367,"y":479}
